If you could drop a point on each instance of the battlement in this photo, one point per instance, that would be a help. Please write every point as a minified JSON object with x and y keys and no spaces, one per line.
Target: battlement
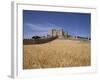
{"x":58,"y":33}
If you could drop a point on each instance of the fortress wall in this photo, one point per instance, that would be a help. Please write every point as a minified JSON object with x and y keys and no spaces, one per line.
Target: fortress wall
{"x":38,"y":41}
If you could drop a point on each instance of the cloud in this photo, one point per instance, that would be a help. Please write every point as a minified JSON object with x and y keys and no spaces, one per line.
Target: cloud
{"x":37,"y":27}
{"x":43,"y":29}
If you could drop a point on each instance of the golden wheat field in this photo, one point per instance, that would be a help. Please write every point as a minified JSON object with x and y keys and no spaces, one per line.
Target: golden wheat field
{"x":57,"y":53}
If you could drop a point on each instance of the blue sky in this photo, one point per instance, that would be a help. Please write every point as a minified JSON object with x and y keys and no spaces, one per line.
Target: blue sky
{"x":41,"y":22}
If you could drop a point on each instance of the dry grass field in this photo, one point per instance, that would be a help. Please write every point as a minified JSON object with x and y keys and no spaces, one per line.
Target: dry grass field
{"x":57,"y":53}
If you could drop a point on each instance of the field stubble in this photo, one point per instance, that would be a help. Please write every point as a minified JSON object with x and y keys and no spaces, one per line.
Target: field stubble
{"x":58,"y":53}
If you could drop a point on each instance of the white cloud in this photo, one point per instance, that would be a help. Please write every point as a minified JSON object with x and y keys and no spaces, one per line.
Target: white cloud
{"x":38,"y":27}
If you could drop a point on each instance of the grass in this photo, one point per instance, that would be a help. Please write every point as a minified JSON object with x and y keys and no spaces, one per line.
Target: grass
{"x":57,"y":53}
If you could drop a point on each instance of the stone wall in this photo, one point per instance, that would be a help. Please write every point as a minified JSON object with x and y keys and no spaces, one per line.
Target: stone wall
{"x":58,"y":33}
{"x":38,"y":41}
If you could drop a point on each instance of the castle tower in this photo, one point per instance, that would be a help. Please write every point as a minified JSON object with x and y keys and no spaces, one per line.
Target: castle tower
{"x":53,"y":32}
{"x":60,"y":33}
{"x":57,"y":33}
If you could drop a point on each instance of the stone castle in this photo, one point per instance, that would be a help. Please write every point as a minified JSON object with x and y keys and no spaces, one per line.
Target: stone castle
{"x":61,"y":34}
{"x":58,"y":33}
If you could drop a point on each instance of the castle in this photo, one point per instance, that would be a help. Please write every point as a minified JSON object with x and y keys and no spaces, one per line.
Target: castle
{"x":58,"y":33}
